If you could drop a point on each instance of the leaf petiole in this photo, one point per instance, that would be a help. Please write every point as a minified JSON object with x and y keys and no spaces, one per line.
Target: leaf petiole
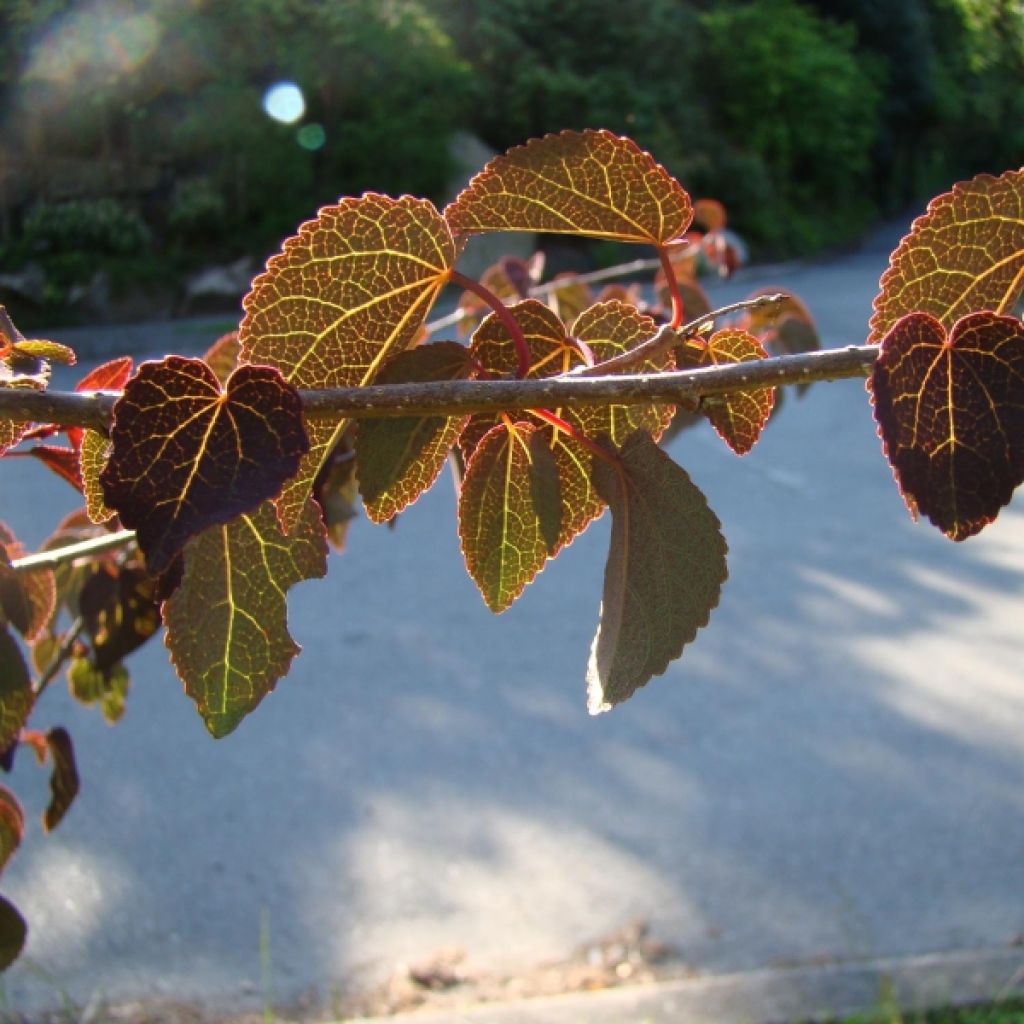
{"x":503,"y":313}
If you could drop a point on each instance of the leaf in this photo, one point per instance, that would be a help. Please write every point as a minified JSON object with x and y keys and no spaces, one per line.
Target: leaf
{"x":579,"y":183}
{"x":964,"y":255}
{"x":109,"y":376}
{"x":950,"y":412}
{"x":570,"y":296}
{"x":398,"y":459}
{"x":93,"y":457}
{"x":11,"y":433}
{"x":106,"y":687}
{"x":227,"y":621}
{"x":505,"y":531}
{"x":343,"y":296}
{"x":222,"y":356}
{"x":508,"y":279}
{"x":695,"y":300}
{"x":16,"y":697}
{"x":607,"y":329}
{"x":13,"y":932}
{"x":187,"y":455}
{"x":12,"y":825}
{"x":53,"y":351}
{"x":665,"y":570}
{"x":61,"y":460}
{"x":738,"y":418}
{"x":63,"y":778}
{"x":709,"y":214}
{"x":119,"y":612}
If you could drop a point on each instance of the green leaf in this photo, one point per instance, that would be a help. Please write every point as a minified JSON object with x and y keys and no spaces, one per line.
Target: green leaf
{"x":344,"y":295}
{"x":665,"y":570}
{"x":964,"y":255}
{"x":187,"y":455}
{"x":95,"y":449}
{"x":16,"y":697}
{"x":106,"y":687}
{"x":13,"y":932}
{"x":398,"y":459}
{"x":227,"y":621}
{"x":54,"y":351}
{"x":505,"y":533}
{"x":950,"y":411}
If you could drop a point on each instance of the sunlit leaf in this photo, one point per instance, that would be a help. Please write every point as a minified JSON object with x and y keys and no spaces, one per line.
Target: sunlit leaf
{"x":227,"y":623}
{"x":60,"y":459}
{"x":964,"y":255}
{"x":569,"y":297}
{"x":53,"y":351}
{"x":63,"y":777}
{"x":223,"y":355}
{"x":12,"y":825}
{"x":109,"y":376}
{"x":16,"y":697}
{"x":665,"y":570}
{"x":107,"y":688}
{"x":738,"y":418}
{"x":10,"y":434}
{"x":93,"y":457}
{"x":187,"y":455}
{"x":347,"y":293}
{"x":13,"y":932}
{"x":508,"y":279}
{"x":580,"y":183}
{"x":400,"y":458}
{"x":505,"y":511}
{"x":950,"y":411}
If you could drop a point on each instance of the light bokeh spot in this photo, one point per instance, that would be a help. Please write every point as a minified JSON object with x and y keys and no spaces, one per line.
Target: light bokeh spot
{"x":284,"y":102}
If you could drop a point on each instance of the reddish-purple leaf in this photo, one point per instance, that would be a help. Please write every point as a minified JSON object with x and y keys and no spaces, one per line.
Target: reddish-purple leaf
{"x":187,"y":455}
{"x":119,"y":612}
{"x":665,"y":570}
{"x":16,"y":697}
{"x":950,"y":411}
{"x":63,"y":777}
{"x":12,"y":825}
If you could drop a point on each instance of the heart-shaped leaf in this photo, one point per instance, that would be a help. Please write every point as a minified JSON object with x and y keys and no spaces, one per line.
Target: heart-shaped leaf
{"x":227,"y":623}
{"x":187,"y":455}
{"x":579,"y":183}
{"x":400,"y":458}
{"x":964,"y":255}
{"x":738,"y":418}
{"x":63,"y":777}
{"x":507,"y":503}
{"x":950,"y":412}
{"x":347,"y":293}
{"x":665,"y":570}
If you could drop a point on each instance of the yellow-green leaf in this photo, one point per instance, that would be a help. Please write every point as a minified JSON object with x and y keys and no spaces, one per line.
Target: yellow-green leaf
{"x":665,"y":570}
{"x":964,"y":255}
{"x":93,"y":456}
{"x":579,"y":183}
{"x":344,"y":295}
{"x":227,"y":623}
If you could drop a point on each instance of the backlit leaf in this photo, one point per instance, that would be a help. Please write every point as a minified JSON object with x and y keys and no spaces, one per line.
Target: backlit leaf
{"x":665,"y":570}
{"x":63,"y":777}
{"x":187,"y":455}
{"x":398,"y":459}
{"x":53,"y":351}
{"x":347,"y":293}
{"x":222,"y":356}
{"x":10,"y":434}
{"x":569,"y":297}
{"x":738,"y":418}
{"x":13,"y":932}
{"x":16,"y":697}
{"x":109,"y":376}
{"x":12,"y":825}
{"x":964,"y":255}
{"x":508,"y":279}
{"x":950,"y":411}
{"x":227,"y":623}
{"x":579,"y":183}
{"x":501,"y":526}
{"x":93,"y":457}
{"x":107,"y":688}
{"x":60,"y":459}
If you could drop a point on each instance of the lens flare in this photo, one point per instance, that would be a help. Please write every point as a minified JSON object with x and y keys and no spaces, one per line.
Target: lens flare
{"x":284,"y":102}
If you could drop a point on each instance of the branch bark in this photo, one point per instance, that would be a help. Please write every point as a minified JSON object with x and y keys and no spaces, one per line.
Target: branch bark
{"x":453,"y":398}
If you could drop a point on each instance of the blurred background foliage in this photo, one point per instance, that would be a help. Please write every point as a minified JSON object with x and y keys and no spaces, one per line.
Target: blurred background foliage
{"x":134,"y":136}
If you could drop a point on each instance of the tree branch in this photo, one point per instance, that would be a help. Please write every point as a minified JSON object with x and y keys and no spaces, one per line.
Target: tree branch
{"x":453,"y":398}
{"x":82,"y":549}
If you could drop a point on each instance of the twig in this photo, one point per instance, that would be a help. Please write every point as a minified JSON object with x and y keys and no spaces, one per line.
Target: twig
{"x":81,"y":549}
{"x":454,"y":398}
{"x":60,"y":656}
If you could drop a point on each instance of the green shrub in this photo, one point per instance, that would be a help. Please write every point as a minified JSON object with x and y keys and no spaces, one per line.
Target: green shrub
{"x":95,"y":227}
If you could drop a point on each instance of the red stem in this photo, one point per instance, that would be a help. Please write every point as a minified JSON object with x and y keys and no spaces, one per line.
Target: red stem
{"x":673,"y":288}
{"x":577,"y":435}
{"x":504,"y":315}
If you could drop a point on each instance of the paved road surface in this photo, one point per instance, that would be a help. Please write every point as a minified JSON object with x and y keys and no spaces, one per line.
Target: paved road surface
{"x":834,"y":769}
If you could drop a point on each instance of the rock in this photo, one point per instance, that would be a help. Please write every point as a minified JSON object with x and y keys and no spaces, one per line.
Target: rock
{"x":29,"y":284}
{"x":217,"y":286}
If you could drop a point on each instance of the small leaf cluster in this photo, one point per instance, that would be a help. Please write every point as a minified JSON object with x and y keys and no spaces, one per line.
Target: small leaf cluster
{"x":219,"y":483}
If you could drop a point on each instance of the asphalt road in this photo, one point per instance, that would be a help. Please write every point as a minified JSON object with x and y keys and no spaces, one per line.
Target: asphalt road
{"x":834,"y":769}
